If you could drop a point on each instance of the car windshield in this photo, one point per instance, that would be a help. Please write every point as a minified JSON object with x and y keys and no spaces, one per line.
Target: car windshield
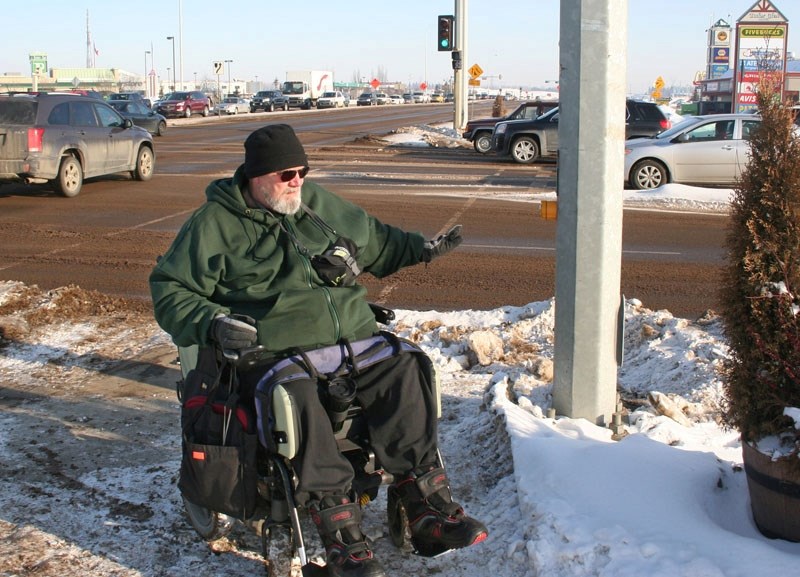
{"x":178,"y":96}
{"x":679,"y":127}
{"x":328,"y":95}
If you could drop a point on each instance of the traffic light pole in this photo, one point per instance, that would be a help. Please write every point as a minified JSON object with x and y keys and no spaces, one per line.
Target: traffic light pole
{"x":459,"y":74}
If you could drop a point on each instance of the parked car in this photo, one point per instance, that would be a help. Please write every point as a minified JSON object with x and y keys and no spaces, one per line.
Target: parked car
{"x":184,"y":104}
{"x":269,"y":101}
{"x":65,"y":138}
{"x":527,"y":141}
{"x":708,"y":149}
{"x":408,"y":98}
{"x":333,"y":99}
{"x":233,"y":105}
{"x":479,"y":130}
{"x":141,"y":115}
{"x":367,"y":99}
{"x":396,"y":98}
{"x":437,"y":97}
{"x":382,"y":98}
{"x":449,"y":97}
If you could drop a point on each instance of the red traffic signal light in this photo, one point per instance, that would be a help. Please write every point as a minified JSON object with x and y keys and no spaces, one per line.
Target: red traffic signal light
{"x":445,"y":28}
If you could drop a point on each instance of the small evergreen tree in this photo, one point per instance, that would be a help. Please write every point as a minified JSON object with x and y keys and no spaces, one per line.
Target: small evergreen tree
{"x":761,"y":287}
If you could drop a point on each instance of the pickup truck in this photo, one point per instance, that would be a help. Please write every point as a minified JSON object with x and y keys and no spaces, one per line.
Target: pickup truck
{"x":479,"y":131}
{"x":268,"y":101}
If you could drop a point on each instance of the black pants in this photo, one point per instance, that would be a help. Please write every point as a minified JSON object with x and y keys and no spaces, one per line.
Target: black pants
{"x":400,"y":411}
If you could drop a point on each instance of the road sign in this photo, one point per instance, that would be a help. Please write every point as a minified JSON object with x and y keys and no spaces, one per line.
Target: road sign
{"x":219,"y":67}
{"x":474,"y":82}
{"x":423,"y":86}
{"x":375,"y":83}
{"x":475,"y":71}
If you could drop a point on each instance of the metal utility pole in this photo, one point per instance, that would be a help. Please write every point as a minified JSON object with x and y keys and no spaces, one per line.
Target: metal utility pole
{"x":180,"y":36}
{"x":174,"y":87}
{"x":460,"y":73}
{"x":593,"y":40}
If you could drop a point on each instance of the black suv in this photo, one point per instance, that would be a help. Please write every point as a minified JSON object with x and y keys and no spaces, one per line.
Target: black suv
{"x":479,"y":130}
{"x":530,"y":140}
{"x":64,"y":138}
{"x":269,"y":100}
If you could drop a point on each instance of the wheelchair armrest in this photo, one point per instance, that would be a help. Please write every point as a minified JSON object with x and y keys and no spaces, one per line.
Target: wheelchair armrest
{"x":382,"y":314}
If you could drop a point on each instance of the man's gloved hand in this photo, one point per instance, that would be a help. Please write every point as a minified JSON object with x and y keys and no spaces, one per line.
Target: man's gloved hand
{"x":234,"y":332}
{"x":442,"y":244}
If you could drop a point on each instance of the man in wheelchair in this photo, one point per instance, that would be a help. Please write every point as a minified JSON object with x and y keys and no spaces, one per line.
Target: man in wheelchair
{"x":272,"y":260}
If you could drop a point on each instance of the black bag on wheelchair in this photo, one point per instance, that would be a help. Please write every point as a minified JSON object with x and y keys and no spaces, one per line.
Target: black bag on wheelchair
{"x":218,"y":463}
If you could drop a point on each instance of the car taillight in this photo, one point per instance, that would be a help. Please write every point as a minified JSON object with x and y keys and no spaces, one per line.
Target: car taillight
{"x":665,"y":124}
{"x":35,"y":139}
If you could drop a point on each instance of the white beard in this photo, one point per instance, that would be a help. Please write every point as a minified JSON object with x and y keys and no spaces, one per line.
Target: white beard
{"x":286,"y":205}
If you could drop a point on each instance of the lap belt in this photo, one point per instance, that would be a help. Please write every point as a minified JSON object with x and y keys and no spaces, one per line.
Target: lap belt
{"x":327,"y":363}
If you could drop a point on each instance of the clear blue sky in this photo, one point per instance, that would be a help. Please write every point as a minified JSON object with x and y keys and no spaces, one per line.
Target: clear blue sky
{"x":515,"y":39}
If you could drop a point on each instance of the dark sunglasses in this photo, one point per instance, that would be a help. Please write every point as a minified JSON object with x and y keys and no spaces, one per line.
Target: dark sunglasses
{"x":288,"y":175}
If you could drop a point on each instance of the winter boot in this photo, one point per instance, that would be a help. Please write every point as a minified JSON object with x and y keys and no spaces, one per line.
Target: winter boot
{"x":338,"y":521}
{"x":436,"y":523}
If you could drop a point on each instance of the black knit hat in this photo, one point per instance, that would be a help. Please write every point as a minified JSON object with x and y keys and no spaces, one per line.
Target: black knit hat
{"x":272,"y":148}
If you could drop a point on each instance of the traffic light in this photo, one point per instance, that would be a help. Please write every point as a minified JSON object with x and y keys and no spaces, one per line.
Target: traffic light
{"x":445,"y":33}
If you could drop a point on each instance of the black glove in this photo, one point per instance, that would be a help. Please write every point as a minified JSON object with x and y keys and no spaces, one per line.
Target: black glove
{"x":234,"y":332}
{"x":442,"y":244}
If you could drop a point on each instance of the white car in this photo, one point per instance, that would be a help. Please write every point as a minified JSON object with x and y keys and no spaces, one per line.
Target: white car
{"x":231,"y":105}
{"x":383,"y":98}
{"x":332,"y":100}
{"x":421,"y":97}
{"x":396,"y":98}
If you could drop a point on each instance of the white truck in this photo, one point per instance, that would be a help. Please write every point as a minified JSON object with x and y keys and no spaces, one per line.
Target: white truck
{"x":304,"y":87}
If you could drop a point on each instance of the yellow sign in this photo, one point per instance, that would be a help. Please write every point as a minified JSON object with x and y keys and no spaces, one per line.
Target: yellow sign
{"x":475,"y":71}
{"x":659,"y":83}
{"x":474,"y":82}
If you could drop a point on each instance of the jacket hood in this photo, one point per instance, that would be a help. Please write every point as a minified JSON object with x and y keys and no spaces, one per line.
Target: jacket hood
{"x":228,"y":192}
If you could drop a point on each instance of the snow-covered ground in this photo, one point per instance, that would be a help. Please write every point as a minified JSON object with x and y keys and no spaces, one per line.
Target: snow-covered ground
{"x":561,"y":497}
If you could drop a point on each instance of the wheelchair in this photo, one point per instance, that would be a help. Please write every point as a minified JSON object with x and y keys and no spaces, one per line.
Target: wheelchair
{"x":276,"y":506}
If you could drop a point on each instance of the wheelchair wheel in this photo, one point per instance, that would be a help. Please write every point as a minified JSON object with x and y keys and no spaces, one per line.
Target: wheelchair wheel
{"x":398,"y":522}
{"x":210,"y":525}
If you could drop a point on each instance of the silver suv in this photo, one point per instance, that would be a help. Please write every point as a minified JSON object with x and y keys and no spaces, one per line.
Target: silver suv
{"x":64,"y":138}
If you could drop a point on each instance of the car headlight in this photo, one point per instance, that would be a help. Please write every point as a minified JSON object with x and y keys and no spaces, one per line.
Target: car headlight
{"x":501,"y":128}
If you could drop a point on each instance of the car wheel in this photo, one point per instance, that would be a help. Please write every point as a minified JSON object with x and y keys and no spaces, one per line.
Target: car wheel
{"x":525,"y":150}
{"x":285,"y":106}
{"x":205,"y":111}
{"x":70,"y":177}
{"x":162,"y":128}
{"x":483,"y":142}
{"x":145,"y":164}
{"x":188,"y":113}
{"x":271,"y":107}
{"x":648,"y":174}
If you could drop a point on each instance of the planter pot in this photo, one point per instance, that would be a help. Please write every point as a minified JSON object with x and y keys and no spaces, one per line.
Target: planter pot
{"x":774,"y":488}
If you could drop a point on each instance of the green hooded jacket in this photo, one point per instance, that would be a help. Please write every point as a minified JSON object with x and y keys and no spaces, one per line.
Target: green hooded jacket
{"x":230,"y":258}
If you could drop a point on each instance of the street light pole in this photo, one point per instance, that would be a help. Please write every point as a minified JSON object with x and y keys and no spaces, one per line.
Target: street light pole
{"x":146,"y":83}
{"x":228,"y":62}
{"x":174,"y":88}
{"x":195,"y":80}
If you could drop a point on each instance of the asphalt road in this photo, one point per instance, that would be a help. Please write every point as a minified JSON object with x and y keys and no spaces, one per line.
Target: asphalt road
{"x":109,"y":237}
